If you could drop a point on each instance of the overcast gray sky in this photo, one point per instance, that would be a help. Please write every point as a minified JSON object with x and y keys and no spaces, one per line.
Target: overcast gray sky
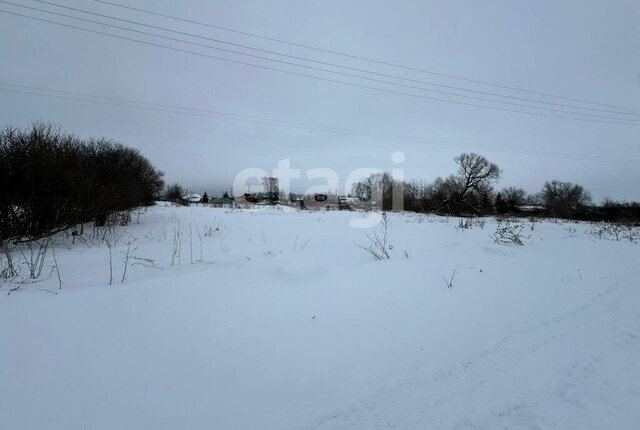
{"x":578,"y":49}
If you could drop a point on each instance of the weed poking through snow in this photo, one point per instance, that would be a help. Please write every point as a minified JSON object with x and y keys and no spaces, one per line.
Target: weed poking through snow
{"x":379,"y":245}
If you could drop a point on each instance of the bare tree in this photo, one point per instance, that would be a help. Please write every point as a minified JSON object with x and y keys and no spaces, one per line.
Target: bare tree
{"x":381,"y":188}
{"x":471,"y":189}
{"x":564,"y":199}
{"x":475,"y":172}
{"x":362,"y":189}
{"x":535,"y":199}
{"x":175,"y":193}
{"x":513,"y":196}
{"x":271,"y":188}
{"x":415,"y":194}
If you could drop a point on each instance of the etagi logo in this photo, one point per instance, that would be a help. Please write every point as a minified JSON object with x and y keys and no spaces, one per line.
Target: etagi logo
{"x":380,"y":192}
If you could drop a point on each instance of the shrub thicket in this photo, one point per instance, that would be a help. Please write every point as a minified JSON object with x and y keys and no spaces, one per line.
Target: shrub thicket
{"x":51,"y":180}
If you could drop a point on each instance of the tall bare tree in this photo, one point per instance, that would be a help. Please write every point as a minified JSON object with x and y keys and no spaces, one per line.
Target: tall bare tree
{"x":271,"y":187}
{"x":475,"y":172}
{"x":513,"y":197}
{"x":565,"y":199}
{"x":471,"y":188}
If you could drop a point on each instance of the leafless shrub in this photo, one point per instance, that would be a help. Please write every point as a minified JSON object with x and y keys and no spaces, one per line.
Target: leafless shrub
{"x":126,"y":255}
{"x":469,"y":223}
{"x":138,"y":213}
{"x":35,"y":257}
{"x":597,"y":231}
{"x":119,"y":218}
{"x":111,"y":233}
{"x":617,"y":232}
{"x":632,"y":234}
{"x":507,"y":233}
{"x":379,"y":245}
{"x":8,"y":269}
{"x":464,"y":224}
{"x":52,"y":181}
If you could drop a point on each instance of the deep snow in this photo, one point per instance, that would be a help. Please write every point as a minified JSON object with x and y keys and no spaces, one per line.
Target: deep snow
{"x":287,"y":324}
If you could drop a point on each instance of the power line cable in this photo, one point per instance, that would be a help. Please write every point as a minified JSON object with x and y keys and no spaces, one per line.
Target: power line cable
{"x":413,"y":87}
{"x":204,"y":113}
{"x":362,"y":58}
{"x":453,"y":87}
{"x":618,"y":121}
{"x":273,"y":122}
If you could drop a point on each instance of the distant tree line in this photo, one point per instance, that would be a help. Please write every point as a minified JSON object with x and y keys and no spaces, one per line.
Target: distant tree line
{"x":470,"y":191}
{"x":176,"y":193}
{"x":51,"y":180}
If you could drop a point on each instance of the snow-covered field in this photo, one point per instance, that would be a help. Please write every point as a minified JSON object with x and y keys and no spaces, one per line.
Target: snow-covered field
{"x":275,"y":319}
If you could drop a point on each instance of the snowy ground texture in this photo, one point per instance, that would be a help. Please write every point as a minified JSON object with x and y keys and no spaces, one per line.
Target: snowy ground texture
{"x":287,"y":324}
